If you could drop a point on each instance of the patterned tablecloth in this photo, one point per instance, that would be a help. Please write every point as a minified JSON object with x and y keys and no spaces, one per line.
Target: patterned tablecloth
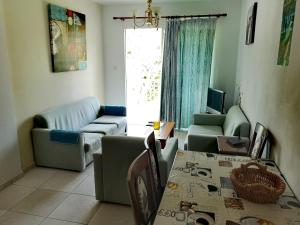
{"x":199,"y":191}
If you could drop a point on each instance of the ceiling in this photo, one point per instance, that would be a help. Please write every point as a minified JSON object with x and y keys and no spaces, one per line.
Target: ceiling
{"x":108,"y":2}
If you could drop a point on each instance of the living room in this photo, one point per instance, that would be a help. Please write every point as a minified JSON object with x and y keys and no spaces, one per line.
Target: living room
{"x":267,"y":92}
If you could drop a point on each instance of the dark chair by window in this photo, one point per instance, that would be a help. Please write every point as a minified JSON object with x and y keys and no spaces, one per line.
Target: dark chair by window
{"x":142,"y":189}
{"x":258,"y":141}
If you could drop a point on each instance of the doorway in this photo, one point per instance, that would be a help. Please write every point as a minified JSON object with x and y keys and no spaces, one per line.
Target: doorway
{"x":143,"y":74}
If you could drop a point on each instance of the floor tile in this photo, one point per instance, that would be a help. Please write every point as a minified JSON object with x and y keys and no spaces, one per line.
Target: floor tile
{"x":2,"y":212}
{"x":113,"y":214}
{"x":50,"y":221}
{"x":76,"y":208}
{"x":12,"y":195}
{"x":41,"y":202}
{"x":89,"y":170}
{"x":12,"y":218}
{"x":87,"y":187}
{"x":64,"y":181}
{"x":36,"y":176}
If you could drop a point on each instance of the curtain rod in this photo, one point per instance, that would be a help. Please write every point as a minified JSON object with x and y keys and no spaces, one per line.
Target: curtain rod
{"x":195,"y":16}
{"x":172,"y":17}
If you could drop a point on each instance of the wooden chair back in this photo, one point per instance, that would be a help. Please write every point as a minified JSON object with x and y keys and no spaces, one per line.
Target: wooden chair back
{"x":258,"y":141}
{"x":150,"y":146}
{"x":143,"y":193}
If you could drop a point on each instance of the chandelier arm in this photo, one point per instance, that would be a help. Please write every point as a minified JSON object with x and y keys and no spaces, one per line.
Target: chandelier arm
{"x":136,"y":24}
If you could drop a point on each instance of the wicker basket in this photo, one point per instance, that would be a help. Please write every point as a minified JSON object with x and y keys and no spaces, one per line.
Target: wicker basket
{"x":256,"y":184}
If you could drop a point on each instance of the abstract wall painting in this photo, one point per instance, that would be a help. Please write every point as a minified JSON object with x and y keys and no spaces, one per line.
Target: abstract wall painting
{"x":251,"y":24}
{"x":287,"y":27}
{"x":67,"y":39}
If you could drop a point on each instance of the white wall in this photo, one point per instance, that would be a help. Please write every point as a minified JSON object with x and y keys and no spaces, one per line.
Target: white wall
{"x":35,"y":87}
{"x":9,"y":155}
{"x":227,"y":36}
{"x":270,"y":93}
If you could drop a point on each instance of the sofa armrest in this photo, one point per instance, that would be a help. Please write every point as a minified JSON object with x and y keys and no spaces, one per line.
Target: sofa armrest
{"x":245,"y":130}
{"x":167,"y":158}
{"x":65,"y":137}
{"x":209,"y":119}
{"x":202,"y":143}
{"x":113,"y":110}
{"x":55,"y":154}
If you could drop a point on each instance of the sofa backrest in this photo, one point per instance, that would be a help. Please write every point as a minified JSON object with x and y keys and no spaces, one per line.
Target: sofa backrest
{"x":72,"y":116}
{"x":236,"y":123}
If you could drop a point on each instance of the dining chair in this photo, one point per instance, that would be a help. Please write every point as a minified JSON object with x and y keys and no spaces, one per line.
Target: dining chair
{"x":258,"y":141}
{"x":142,"y":190}
{"x":151,"y":146}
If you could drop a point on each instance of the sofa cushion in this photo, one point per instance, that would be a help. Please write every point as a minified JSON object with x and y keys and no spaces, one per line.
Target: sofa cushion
{"x":72,"y":116}
{"x":235,"y":121}
{"x":120,"y":121}
{"x":205,"y":130}
{"x":107,"y":129}
{"x":92,"y":143}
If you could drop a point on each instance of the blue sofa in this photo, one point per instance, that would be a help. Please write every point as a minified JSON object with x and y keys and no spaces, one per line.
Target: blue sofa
{"x":67,"y":136}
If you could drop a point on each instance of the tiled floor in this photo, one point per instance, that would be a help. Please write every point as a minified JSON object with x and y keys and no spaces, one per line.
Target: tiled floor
{"x":58,"y":197}
{"x":46,"y":196}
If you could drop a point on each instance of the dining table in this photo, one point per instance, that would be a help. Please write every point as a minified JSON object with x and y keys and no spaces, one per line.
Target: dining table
{"x":199,"y":191}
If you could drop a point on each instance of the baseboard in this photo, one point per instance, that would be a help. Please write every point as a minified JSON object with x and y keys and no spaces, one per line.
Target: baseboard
{"x":13,"y":180}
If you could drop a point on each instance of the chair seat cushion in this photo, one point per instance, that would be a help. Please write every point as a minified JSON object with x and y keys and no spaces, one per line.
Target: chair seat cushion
{"x":205,"y":130}
{"x":107,"y":129}
{"x":120,"y":121}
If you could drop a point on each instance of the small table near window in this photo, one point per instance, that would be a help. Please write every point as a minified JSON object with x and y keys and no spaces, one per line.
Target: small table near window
{"x":233,"y":145}
{"x":166,"y":131}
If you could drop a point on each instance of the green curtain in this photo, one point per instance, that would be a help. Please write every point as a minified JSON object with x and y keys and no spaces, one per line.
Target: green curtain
{"x":190,"y":48}
{"x":169,"y":72}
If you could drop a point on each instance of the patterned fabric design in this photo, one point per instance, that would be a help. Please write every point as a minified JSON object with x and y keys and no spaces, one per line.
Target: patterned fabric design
{"x":143,"y":199}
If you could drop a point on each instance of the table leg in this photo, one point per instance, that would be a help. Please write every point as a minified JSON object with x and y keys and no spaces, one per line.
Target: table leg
{"x":172,"y":133}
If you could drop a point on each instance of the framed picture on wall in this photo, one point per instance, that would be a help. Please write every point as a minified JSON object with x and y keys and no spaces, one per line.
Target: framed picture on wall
{"x":251,"y":24}
{"x":287,"y":28}
{"x":67,"y":39}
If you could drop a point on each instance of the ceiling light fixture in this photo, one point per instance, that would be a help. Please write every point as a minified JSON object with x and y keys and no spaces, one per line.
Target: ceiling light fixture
{"x":150,"y":19}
